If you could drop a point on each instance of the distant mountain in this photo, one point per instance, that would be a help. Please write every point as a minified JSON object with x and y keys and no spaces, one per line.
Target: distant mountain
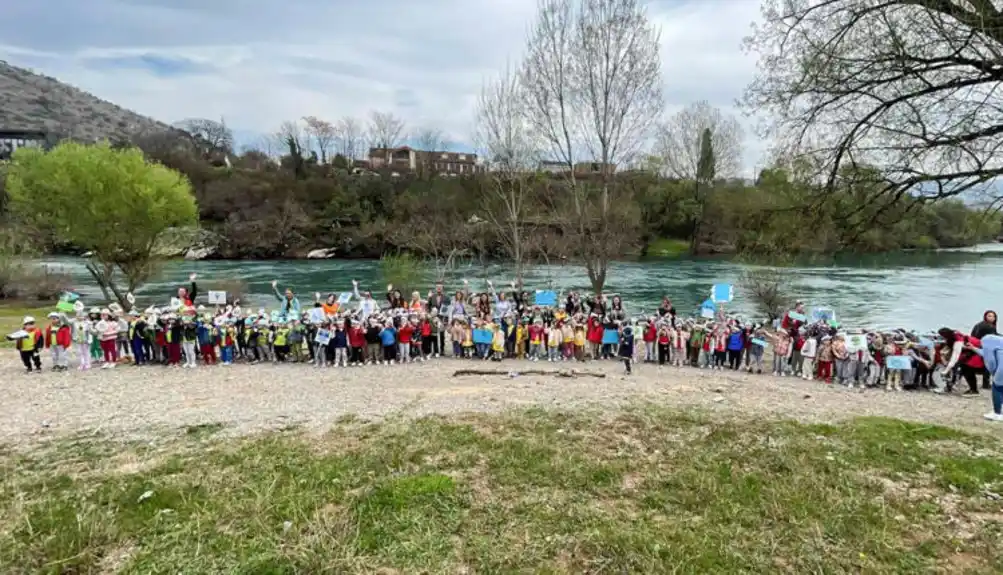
{"x":30,"y":101}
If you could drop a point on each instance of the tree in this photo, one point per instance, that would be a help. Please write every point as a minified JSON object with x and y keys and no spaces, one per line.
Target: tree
{"x":906,"y":86}
{"x":696,"y":145}
{"x":592,"y":84}
{"x":110,"y":202}
{"x":290,"y":134}
{"x":323,"y":134}
{"x":349,"y":138}
{"x":209,"y":136}
{"x":385,"y":131}
{"x":428,"y":140}
{"x":506,"y":143}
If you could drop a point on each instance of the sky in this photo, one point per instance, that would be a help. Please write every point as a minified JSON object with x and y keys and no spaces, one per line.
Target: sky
{"x":258,"y":63}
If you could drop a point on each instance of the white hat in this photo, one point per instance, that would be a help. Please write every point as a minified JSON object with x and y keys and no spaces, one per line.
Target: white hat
{"x":53,"y":314}
{"x":28,"y":319}
{"x":106,"y":311}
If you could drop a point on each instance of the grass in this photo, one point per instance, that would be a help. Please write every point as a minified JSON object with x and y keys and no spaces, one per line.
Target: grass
{"x":645,"y":490}
{"x":668,"y":248}
{"x":12,"y":314}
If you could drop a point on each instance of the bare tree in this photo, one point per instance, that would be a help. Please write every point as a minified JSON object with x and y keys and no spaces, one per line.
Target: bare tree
{"x":323,"y":134}
{"x":209,"y":136}
{"x":349,"y":139}
{"x":592,"y":83}
{"x":428,"y":140}
{"x":506,"y":143}
{"x":907,"y":86}
{"x":696,"y":145}
{"x":385,"y":131}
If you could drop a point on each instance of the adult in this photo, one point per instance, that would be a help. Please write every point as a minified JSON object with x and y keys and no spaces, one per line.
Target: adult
{"x":962,"y":355}
{"x":458,"y":307}
{"x":329,"y":305}
{"x":666,"y":308}
{"x":437,"y":300}
{"x":367,"y":305}
{"x":616,"y":312}
{"x":792,"y":325}
{"x":289,"y":304}
{"x":502,"y":305}
{"x":992,"y":354}
{"x":985,"y":327}
{"x":395,"y":297}
{"x":186,"y":295}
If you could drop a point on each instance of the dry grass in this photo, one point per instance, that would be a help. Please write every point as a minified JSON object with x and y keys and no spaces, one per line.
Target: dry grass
{"x":643,"y":490}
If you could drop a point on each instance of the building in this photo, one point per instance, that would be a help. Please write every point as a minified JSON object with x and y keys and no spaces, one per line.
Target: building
{"x":11,"y":140}
{"x":407,"y":159}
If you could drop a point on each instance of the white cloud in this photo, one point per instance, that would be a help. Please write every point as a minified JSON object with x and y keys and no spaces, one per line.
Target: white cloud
{"x":258,"y":63}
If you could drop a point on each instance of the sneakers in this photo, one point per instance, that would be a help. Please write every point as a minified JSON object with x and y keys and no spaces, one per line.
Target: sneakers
{"x":993,"y":416}
{"x":971,"y":393}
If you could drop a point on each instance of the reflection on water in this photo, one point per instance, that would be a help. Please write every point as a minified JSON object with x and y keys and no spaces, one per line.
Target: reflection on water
{"x":918,"y":290}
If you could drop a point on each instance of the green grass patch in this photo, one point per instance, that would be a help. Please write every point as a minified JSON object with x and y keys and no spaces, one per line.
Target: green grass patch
{"x":12,"y":315}
{"x":668,"y":248}
{"x":645,"y":490}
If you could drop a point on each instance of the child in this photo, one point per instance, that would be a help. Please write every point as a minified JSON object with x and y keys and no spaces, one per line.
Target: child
{"x":536,"y":340}
{"x":781,"y":347}
{"x":665,"y":342}
{"x":404,"y":341}
{"x":497,"y":341}
{"x":680,"y":341}
{"x":388,"y":339}
{"x":93,"y":317}
{"x":627,"y":347}
{"x":373,"y":355}
{"x":281,"y":341}
{"x":650,"y":335}
{"x":57,"y":340}
{"x":339,"y":344}
{"x":553,"y":342}
{"x":30,"y":345}
{"x":520,"y":338}
{"x":579,"y":341}
{"x":356,"y":342}
{"x":825,"y":360}
{"x":457,"y":333}
{"x":227,"y":342}
{"x":720,"y":347}
{"x":894,"y":377}
{"x":189,"y":338}
{"x":808,"y":352}
{"x":322,"y":338}
{"x":296,"y":338}
{"x":567,"y":341}
{"x":107,"y":329}
{"x":137,"y":337}
{"x":264,"y":340}
{"x":82,"y":339}
{"x":841,"y":358}
{"x":756,"y":350}
{"x":468,"y":339}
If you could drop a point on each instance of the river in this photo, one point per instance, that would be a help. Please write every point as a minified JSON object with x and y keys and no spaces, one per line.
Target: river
{"x":918,"y":290}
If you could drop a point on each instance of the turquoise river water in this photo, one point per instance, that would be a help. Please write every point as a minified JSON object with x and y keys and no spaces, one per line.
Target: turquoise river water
{"x":921,"y":290}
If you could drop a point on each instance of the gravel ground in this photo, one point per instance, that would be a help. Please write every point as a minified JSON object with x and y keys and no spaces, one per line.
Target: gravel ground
{"x":129,"y":401}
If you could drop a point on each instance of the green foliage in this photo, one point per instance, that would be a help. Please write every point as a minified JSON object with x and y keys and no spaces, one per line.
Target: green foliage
{"x":402,"y":270}
{"x":706,"y":166}
{"x":111,"y":202}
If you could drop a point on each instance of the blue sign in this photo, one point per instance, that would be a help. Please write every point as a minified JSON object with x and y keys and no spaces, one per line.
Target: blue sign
{"x":722,"y":293}
{"x":546,"y":298}
{"x":759,"y":342}
{"x":796,"y":316}
{"x":823,"y":314}
{"x":344,"y":297}
{"x":610,"y":337}
{"x":482,"y":336}
{"x":898,"y":362}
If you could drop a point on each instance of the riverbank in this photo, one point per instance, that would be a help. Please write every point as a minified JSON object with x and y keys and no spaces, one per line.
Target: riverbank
{"x":408,"y":469}
{"x":242,"y":399}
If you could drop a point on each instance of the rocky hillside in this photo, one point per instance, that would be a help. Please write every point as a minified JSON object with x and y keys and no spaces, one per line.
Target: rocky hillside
{"x":30,"y":101}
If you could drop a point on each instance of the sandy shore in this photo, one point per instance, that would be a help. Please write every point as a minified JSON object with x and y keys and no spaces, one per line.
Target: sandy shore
{"x":130,"y":401}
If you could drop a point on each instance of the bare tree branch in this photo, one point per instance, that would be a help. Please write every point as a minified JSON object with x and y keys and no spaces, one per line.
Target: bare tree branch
{"x":323,"y":134}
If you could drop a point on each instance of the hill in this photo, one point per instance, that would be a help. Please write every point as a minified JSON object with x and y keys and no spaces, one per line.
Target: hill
{"x":35,"y":102}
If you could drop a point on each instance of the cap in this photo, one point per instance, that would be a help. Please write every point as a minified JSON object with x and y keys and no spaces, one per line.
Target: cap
{"x":28,"y":319}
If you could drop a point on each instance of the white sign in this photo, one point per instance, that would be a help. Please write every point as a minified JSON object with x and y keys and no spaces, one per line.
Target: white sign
{"x":217,"y":298}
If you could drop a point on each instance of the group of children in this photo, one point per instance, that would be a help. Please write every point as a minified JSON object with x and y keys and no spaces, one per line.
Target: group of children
{"x":488,"y":326}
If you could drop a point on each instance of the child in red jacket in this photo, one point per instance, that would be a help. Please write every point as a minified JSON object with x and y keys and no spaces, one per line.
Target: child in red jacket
{"x":58,"y":341}
{"x":29,"y":345}
{"x":650,"y":335}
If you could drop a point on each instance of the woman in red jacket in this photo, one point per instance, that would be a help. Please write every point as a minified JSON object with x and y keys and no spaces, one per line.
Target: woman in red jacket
{"x":969,"y":362}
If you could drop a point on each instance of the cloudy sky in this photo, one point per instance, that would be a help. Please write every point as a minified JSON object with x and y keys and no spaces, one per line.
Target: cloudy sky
{"x":257,"y":63}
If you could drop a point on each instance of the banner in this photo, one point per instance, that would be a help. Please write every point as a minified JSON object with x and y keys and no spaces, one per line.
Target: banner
{"x":796,"y":316}
{"x":483,"y":336}
{"x":323,"y":336}
{"x":217,"y":297}
{"x":823,"y":314}
{"x":610,"y":337}
{"x":899,"y":362}
{"x":344,"y":297}
{"x":722,"y":293}
{"x":856,"y":342}
{"x":758,"y":341}
{"x":546,"y":298}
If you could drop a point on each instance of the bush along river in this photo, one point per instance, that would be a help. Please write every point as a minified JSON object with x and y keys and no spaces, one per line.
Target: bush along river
{"x":913,"y":290}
